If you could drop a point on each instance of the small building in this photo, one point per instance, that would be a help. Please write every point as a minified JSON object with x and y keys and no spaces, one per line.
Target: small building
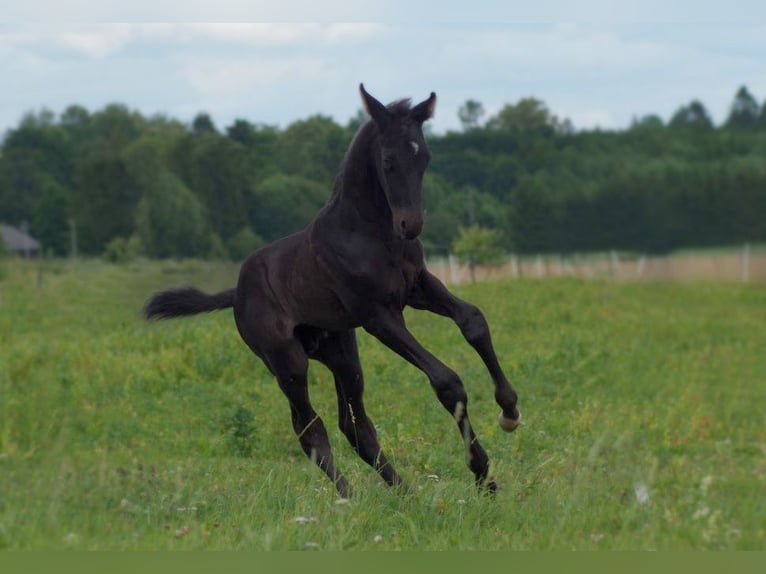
{"x":19,"y":243}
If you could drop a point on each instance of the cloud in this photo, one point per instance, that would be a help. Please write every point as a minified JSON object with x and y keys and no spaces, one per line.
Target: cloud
{"x":226,"y":78}
{"x":98,"y":40}
{"x":591,"y":118}
{"x":283,"y":34}
{"x":91,"y":40}
{"x":200,"y":10}
{"x":566,"y":47}
{"x":596,"y":74}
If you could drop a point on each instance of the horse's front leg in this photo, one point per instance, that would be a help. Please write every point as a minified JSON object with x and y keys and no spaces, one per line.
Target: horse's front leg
{"x":430,"y":294}
{"x":388,"y":326}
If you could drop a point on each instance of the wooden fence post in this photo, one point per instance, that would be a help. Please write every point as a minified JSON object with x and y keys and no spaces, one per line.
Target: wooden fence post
{"x":514,"y":266}
{"x":454,"y":270}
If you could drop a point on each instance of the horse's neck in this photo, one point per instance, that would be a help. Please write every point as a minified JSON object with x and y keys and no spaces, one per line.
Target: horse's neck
{"x":358,"y":204}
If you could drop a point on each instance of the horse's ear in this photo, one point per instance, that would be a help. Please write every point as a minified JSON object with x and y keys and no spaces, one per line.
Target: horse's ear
{"x":375,"y":109}
{"x":425,"y":109}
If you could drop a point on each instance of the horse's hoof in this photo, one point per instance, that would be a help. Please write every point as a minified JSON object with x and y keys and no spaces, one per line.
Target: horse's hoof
{"x":508,"y":425}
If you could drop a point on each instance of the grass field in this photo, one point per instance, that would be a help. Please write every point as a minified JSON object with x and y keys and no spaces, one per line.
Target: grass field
{"x":644,"y":423}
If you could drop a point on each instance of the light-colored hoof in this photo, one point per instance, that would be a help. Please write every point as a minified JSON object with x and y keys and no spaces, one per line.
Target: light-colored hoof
{"x":508,"y":425}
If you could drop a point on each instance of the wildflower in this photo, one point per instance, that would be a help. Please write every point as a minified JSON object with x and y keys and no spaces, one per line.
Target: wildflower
{"x":304,"y":519}
{"x":705,"y":484}
{"x":642,"y":493}
{"x":377,"y":539}
{"x":71,"y":539}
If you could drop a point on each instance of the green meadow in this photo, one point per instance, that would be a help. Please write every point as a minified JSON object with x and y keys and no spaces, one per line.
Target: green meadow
{"x":644,"y":422}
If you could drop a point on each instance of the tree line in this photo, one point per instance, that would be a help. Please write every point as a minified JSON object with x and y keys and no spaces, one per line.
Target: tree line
{"x":130,"y":184}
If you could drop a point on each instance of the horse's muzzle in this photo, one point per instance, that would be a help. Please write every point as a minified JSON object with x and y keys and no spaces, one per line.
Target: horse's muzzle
{"x":408,"y":223}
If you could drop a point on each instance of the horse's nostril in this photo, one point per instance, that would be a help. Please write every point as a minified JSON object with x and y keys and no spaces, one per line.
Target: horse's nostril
{"x":403,"y":224}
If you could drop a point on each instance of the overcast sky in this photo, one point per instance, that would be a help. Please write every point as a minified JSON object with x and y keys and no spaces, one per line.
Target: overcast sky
{"x":599,"y":73}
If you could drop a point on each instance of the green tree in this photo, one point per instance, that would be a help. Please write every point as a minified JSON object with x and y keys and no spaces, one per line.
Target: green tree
{"x":114,"y":127}
{"x":170,"y":220}
{"x":470,"y":114}
{"x":692,"y":116}
{"x":105,"y":193}
{"x":647,"y":122}
{"x":203,"y":124}
{"x":531,"y":217}
{"x":477,"y":245}
{"x":744,"y":112}
{"x":221,"y":173}
{"x":528,"y":117}
{"x":49,"y":216}
{"x":283,"y":204}
{"x":105,"y":199}
{"x":313,"y":149}
{"x":443,"y":214}
{"x":35,"y":177}
{"x":243,"y":132}
{"x":123,"y":250}
{"x":3,"y":248}
{"x":243,"y":243}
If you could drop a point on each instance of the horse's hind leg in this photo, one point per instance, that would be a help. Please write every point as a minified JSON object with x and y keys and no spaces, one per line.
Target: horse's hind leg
{"x":338,"y":351}
{"x":289,"y":364}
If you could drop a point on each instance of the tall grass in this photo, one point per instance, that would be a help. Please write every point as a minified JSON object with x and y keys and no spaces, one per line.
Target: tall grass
{"x":643,"y":423}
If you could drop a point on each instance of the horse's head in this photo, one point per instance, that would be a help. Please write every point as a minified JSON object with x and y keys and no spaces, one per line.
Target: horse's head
{"x":401,"y":158}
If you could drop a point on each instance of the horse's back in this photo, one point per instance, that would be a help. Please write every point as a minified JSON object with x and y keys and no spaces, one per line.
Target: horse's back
{"x":283,"y":279}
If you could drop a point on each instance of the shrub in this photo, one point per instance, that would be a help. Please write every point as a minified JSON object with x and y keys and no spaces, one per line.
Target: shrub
{"x":122,"y":250}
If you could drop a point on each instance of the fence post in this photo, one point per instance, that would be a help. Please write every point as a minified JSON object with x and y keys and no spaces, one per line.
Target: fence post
{"x":514,"y":266}
{"x":641,"y":265}
{"x":454,"y":271}
{"x":615,"y":264}
{"x":442,"y":263}
{"x":746,"y":263}
{"x":539,"y":267}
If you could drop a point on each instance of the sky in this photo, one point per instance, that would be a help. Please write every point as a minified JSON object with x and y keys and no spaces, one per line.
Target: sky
{"x":599,"y":68}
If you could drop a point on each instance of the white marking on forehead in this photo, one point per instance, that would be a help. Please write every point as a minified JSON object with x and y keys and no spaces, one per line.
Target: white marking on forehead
{"x":415,"y":147}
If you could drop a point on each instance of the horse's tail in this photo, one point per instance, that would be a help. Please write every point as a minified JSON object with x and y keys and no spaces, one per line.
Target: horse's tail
{"x":186,"y":301}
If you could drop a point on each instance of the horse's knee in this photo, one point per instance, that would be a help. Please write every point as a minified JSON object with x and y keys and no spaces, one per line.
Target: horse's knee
{"x":450,"y":391}
{"x":472,"y":323}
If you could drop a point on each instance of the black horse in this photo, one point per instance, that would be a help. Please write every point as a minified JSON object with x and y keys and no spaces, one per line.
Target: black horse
{"x":357,"y":264}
